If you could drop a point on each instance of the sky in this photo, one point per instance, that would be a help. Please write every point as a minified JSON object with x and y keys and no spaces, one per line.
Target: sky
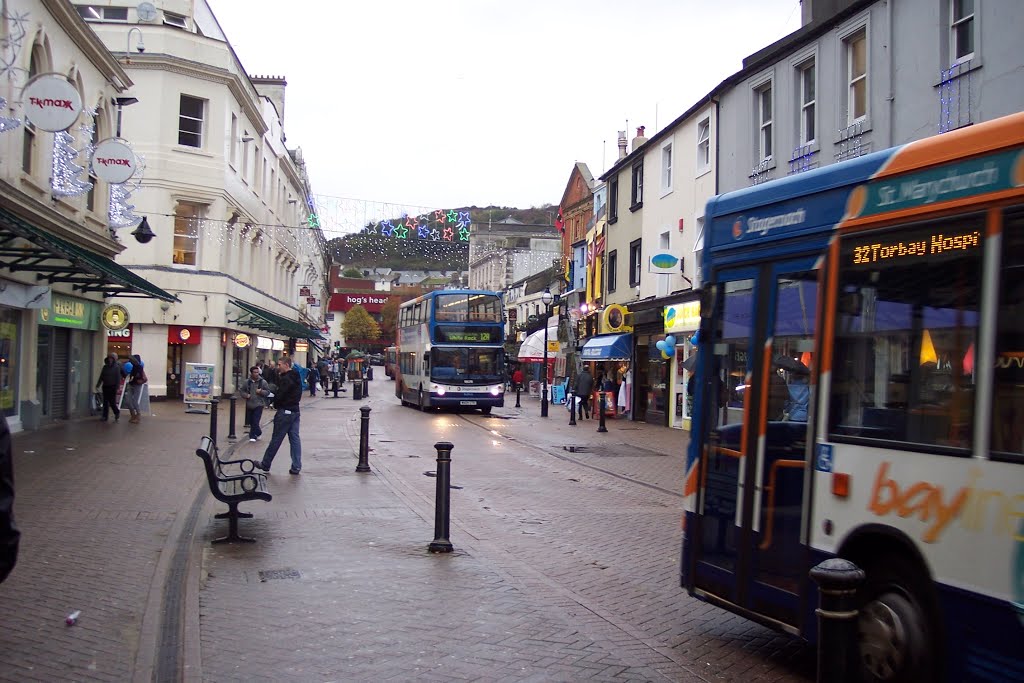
{"x":451,"y":103}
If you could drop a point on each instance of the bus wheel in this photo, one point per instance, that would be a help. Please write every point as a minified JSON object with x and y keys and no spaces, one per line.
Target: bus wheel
{"x":897,"y":624}
{"x":422,"y":409}
{"x":486,"y":410}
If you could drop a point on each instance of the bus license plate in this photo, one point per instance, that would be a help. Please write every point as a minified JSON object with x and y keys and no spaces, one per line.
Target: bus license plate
{"x":467,"y":403}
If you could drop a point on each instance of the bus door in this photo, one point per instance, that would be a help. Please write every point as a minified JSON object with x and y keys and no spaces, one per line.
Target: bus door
{"x":749,"y":549}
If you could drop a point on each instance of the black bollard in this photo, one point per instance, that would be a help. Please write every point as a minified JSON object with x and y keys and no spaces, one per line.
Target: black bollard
{"x":357,"y":391}
{"x":518,"y":388}
{"x":600,"y":404}
{"x":441,"y":544}
{"x":231,"y":421}
{"x":366,"y":388}
{"x":570,"y":400}
{"x":838,"y":655}
{"x":335,"y":388}
{"x":213,"y":421}
{"x":364,"y":440}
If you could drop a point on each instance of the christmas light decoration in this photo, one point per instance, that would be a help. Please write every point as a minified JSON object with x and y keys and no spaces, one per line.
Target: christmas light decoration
{"x":121,"y":214}
{"x":7,"y":123}
{"x":10,"y":45}
{"x":64,"y":174}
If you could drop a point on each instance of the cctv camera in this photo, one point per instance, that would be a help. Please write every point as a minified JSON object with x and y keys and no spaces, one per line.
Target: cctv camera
{"x":141,"y":48}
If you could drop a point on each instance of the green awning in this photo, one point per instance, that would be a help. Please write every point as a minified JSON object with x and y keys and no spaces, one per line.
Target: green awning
{"x":261,"y":319}
{"x":54,"y":259}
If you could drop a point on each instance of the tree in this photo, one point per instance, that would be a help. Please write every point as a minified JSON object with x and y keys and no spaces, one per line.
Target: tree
{"x":352,"y":272}
{"x":359,"y":325}
{"x":389,"y":316}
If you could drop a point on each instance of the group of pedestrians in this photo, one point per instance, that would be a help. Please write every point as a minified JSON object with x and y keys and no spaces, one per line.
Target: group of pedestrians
{"x":133,"y":373}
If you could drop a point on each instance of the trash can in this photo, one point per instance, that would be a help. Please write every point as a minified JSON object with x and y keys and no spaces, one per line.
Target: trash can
{"x":357,"y":390}
{"x":369,"y":373}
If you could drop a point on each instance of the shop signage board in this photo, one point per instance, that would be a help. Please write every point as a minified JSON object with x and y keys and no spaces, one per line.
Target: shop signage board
{"x":198,"y":387}
{"x":114,"y":317}
{"x":113,"y":161}
{"x":52,"y":103}
{"x":66,"y":311}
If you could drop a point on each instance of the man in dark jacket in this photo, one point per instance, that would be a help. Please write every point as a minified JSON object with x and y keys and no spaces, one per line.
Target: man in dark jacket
{"x":9,"y":534}
{"x":584,"y":387}
{"x":109,"y":381}
{"x":286,"y":419}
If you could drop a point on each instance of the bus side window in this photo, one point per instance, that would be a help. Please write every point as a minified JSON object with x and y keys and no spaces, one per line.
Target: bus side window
{"x":426,"y":364}
{"x":1007,"y":427}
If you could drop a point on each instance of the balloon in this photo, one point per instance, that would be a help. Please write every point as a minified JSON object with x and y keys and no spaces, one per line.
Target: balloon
{"x":665,"y":355}
{"x":128,"y":367}
{"x":671,"y":341}
{"x":660,"y":346}
{"x":695,"y":339}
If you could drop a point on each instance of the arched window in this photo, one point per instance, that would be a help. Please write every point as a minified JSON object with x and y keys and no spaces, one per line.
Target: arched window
{"x":29,"y":141}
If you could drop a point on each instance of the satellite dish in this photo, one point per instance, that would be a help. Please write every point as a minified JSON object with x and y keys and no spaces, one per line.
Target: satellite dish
{"x":146,"y":11}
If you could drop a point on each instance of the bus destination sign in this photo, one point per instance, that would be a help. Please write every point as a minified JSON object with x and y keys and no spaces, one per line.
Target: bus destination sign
{"x":462,"y":334}
{"x":936,"y":243}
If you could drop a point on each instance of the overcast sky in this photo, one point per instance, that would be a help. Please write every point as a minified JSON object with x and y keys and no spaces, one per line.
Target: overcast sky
{"x":449,"y":103}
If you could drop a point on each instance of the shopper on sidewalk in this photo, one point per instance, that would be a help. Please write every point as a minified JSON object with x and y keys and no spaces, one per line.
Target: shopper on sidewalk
{"x":136,"y":381}
{"x":286,"y":419}
{"x":584,"y":387}
{"x":254,"y":392}
{"x":108,"y":383}
{"x":9,"y":534}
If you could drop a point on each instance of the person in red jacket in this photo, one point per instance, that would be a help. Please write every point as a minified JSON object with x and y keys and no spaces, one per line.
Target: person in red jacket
{"x":517,"y":379}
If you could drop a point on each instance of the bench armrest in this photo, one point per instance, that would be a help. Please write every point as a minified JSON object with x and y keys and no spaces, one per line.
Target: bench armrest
{"x":247,"y":465}
{"x":250,"y":481}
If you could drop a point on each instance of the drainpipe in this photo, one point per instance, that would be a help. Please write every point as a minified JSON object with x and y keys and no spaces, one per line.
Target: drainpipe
{"x":892,"y":69}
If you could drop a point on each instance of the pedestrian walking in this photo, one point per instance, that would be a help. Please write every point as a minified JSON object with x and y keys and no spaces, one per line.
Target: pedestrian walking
{"x":109,"y":382}
{"x":312,"y":377}
{"x":324,"y":368}
{"x":286,"y":419}
{"x":133,"y":389}
{"x":517,"y":379}
{"x":254,"y":391}
{"x":9,"y":534}
{"x":584,"y":387}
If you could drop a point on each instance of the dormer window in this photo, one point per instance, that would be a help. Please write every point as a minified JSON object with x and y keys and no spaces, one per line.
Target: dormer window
{"x":176,"y":20}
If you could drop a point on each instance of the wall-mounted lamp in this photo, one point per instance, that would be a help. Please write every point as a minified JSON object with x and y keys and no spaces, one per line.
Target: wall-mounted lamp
{"x":143,"y":233}
{"x":121,"y":103}
{"x":247,"y":138}
{"x":165,"y":306}
{"x":293,"y":200}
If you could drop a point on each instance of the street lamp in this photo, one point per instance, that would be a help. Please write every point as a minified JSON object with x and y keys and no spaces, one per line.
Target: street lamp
{"x":546,"y":298}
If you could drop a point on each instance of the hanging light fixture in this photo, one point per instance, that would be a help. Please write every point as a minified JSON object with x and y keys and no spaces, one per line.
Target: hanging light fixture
{"x":143,"y":233}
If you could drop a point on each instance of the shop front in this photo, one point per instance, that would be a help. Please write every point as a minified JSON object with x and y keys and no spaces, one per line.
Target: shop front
{"x":180,"y":340}
{"x":608,"y":357}
{"x":65,"y":372}
{"x":682,"y":320}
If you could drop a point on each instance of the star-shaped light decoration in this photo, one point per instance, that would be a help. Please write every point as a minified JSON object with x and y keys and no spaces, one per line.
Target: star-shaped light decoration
{"x":464,"y":234}
{"x":464,"y":217}
{"x":386,"y":228}
{"x":439,"y":215}
{"x":448,"y":233}
{"x":401,"y":232}
{"x":435,"y":234}
{"x":423,"y":232}
{"x":452,"y":216}
{"x":411,"y":222}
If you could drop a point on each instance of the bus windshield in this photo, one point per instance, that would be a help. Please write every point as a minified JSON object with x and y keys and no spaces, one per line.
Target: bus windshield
{"x":461,"y":364}
{"x":484,"y":308}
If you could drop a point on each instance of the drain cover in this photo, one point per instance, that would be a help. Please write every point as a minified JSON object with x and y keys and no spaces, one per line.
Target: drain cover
{"x":575,"y":449}
{"x":272,"y":574}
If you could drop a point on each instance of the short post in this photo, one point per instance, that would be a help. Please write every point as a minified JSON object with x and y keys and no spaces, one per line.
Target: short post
{"x":357,"y":391}
{"x":570,"y":399}
{"x":335,"y":382}
{"x":838,"y":581}
{"x":366,"y":388}
{"x":518,"y":389}
{"x":600,"y":404}
{"x":213,"y":420}
{"x":231,"y":421}
{"x":364,"y":440}
{"x":441,"y":544}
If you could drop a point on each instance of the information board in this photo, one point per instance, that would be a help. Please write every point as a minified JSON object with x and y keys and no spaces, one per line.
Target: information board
{"x":198,"y":383}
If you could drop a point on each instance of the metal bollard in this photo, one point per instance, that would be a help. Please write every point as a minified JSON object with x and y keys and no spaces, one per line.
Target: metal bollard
{"x":231,"y":421}
{"x":364,"y":440}
{"x":570,"y":400}
{"x":600,"y":427}
{"x":518,"y":388}
{"x":213,"y":421}
{"x":335,"y":388}
{"x":366,"y":388}
{"x":357,"y":391}
{"x":441,"y":544}
{"x":838,"y":581}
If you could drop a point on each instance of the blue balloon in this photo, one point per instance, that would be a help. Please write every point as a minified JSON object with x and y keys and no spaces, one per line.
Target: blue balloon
{"x":128,"y":367}
{"x":671,"y":341}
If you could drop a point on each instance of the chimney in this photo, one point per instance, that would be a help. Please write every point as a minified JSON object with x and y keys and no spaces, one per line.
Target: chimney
{"x":639,"y":139}
{"x":271,"y":87}
{"x":622,"y":144}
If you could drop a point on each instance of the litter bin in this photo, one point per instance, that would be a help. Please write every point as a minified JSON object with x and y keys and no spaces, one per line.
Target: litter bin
{"x":357,"y":390}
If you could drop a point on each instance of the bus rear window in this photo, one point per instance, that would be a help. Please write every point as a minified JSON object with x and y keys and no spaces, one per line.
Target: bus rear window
{"x":906,"y":337}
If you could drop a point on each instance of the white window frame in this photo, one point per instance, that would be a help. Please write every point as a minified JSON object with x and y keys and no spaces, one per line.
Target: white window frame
{"x":201,"y":120}
{"x":667,"y":158}
{"x":954,"y":25}
{"x":704,"y":146}
{"x":764,"y":126}
{"x":233,"y":159}
{"x":89,"y":12}
{"x":175,"y":20}
{"x":808,"y":108}
{"x":859,"y":31}
{"x":188,"y":214}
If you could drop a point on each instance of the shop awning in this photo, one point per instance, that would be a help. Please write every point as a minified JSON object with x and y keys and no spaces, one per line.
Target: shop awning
{"x":54,"y":259}
{"x":532,"y":348}
{"x":607,"y":347}
{"x":261,"y":319}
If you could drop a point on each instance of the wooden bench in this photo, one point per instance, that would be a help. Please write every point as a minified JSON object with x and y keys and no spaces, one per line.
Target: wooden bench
{"x":232,"y":482}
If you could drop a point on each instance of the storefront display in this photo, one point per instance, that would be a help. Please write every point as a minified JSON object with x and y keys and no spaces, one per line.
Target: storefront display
{"x":682,"y":320}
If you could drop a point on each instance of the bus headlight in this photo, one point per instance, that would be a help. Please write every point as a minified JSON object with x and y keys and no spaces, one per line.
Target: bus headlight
{"x":496,"y":389}
{"x":438,"y":389}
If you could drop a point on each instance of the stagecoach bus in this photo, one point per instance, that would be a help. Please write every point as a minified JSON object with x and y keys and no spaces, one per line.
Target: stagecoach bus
{"x":450,"y":350}
{"x":860,"y":394}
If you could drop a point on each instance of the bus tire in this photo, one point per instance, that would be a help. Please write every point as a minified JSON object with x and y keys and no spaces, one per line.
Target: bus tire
{"x":897,"y":627}
{"x":486,"y":410}
{"x":422,"y":408}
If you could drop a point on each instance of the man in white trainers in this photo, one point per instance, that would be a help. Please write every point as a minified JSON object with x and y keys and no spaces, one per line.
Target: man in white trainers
{"x":254,"y":391}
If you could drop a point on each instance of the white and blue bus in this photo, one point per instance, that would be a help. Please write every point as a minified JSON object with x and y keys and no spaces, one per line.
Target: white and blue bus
{"x":451,"y":350}
{"x":860,"y":394}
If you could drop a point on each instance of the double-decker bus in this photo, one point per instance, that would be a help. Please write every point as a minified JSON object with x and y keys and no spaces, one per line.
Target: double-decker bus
{"x":390,"y":360}
{"x":860,"y":394}
{"x":450,"y":350}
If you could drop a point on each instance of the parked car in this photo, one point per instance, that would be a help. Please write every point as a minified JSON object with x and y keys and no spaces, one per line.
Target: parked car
{"x":375,"y":359}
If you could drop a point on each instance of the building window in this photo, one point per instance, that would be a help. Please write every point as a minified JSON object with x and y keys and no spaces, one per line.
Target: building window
{"x":807,"y":102}
{"x":637,"y":187}
{"x":856,"y":77}
{"x":635,"y":253}
{"x":613,"y":199}
{"x":234,"y":140}
{"x":612,"y":269}
{"x":90,"y":197}
{"x":187,"y":219}
{"x":703,"y":145}
{"x":96,"y":13}
{"x":176,"y":20}
{"x":190,"y":121}
{"x":961,"y":27}
{"x":763,"y":102}
{"x":666,"y":167}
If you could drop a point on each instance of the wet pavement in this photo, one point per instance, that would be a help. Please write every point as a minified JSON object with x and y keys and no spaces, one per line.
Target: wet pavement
{"x":565,"y":564}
